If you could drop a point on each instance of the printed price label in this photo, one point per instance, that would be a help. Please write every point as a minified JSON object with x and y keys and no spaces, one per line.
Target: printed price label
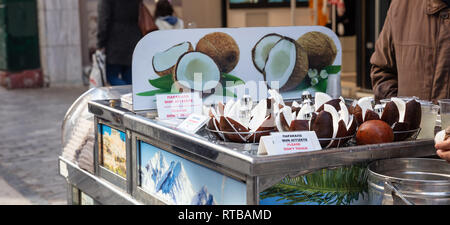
{"x":193,"y":123}
{"x":292,"y":142}
{"x":178,"y":106}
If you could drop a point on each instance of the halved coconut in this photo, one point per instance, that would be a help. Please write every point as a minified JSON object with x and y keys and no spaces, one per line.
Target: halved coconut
{"x":390,"y":114}
{"x":321,"y":125}
{"x":320,"y":99}
{"x":287,"y":64}
{"x":334,"y":102}
{"x":363,"y":111}
{"x":233,"y":129}
{"x":262,"y":129}
{"x":196,"y":71}
{"x":410,"y":116}
{"x":164,"y":62}
{"x":299,"y":125}
{"x":261,"y":51}
{"x":284,"y":119}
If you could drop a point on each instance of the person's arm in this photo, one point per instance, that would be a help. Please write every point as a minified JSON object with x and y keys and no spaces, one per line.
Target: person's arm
{"x":443,"y":150}
{"x":104,"y":20}
{"x":384,"y":66}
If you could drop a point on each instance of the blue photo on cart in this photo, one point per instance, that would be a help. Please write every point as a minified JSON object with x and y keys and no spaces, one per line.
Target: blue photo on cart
{"x":177,"y":181}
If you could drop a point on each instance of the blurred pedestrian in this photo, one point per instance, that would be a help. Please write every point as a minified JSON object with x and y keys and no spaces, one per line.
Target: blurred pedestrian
{"x":165,"y":19}
{"x":118,"y":34}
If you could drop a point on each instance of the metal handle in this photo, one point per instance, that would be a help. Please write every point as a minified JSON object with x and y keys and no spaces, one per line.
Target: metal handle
{"x":396,"y":195}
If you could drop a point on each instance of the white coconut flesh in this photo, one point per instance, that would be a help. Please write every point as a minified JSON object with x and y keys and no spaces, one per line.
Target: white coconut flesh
{"x":350,"y":122}
{"x":262,"y":105}
{"x":440,"y":137}
{"x":336,"y":118}
{"x":401,"y":106}
{"x":281,"y":63}
{"x":343,"y":113}
{"x":199,"y":71}
{"x":296,"y":104}
{"x":165,"y":60}
{"x":288,"y":117}
{"x":276,"y":97}
{"x":303,"y":112}
{"x":365,"y":104}
{"x":262,"y":50}
{"x":257,"y":121}
{"x":321,"y":98}
{"x":227,"y":108}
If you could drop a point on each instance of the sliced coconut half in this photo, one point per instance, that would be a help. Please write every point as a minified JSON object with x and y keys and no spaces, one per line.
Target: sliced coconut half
{"x":287,"y":65}
{"x":276,"y":96}
{"x":336,"y":118}
{"x":258,"y":119}
{"x":284,"y":119}
{"x":320,"y":99}
{"x":261,"y":106}
{"x":343,"y":113}
{"x":401,"y":106}
{"x":164,"y":62}
{"x":261,"y":51}
{"x":228,"y":106}
{"x":196,"y":71}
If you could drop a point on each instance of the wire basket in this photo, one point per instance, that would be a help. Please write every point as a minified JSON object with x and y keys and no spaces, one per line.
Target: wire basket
{"x":329,"y":143}
{"x":408,"y":135}
{"x":239,"y":137}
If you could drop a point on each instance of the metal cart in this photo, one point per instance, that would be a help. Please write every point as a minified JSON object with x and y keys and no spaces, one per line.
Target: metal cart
{"x":217,"y":172}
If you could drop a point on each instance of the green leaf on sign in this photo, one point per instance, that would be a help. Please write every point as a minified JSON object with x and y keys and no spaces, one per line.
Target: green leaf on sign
{"x":333,"y":69}
{"x":322,"y":86}
{"x":154,"y":92}
{"x":231,"y":79}
{"x":164,"y":82}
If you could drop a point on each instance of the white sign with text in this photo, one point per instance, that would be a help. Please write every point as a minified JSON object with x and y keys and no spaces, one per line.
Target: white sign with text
{"x":289,"y":142}
{"x":178,"y":106}
{"x":193,"y":123}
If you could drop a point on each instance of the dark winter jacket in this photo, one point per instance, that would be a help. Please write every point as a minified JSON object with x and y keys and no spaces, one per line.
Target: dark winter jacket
{"x":118,"y":29}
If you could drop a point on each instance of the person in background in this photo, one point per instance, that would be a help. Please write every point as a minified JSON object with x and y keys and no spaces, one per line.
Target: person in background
{"x":412,"y":54}
{"x":165,"y":19}
{"x":118,"y":34}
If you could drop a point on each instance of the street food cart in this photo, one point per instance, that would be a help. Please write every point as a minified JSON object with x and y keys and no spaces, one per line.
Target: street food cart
{"x":238,"y":169}
{"x":130,"y":154}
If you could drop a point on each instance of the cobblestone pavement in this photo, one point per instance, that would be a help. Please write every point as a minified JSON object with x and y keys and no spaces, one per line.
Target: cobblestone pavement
{"x":30,"y":143}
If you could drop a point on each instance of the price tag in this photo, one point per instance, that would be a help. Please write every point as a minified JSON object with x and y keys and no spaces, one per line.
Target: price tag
{"x":193,"y":123}
{"x":292,"y":142}
{"x":178,"y":106}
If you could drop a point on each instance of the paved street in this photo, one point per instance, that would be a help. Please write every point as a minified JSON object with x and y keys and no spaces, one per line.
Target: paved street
{"x":30,"y":143}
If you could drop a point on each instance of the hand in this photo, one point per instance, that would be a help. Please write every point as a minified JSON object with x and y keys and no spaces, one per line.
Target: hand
{"x":443,"y":150}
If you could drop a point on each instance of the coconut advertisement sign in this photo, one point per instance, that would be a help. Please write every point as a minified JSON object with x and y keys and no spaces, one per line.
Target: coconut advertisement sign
{"x":228,"y":63}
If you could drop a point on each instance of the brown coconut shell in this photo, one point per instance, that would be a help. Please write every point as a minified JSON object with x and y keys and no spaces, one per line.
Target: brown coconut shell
{"x":371,"y":115}
{"x":342,"y":132}
{"x":401,"y":127}
{"x":170,"y":70}
{"x":299,"y":125}
{"x":334,"y":103}
{"x":264,"y":130}
{"x":300,"y":69}
{"x":413,"y":114}
{"x":374,"y":132}
{"x":222,"y":48}
{"x":390,"y":114}
{"x":320,"y":48}
{"x":254,"y":50}
{"x":323,"y":126}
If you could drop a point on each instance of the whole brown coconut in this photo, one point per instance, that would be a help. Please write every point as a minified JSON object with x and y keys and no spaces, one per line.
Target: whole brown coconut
{"x":320,"y":48}
{"x":222,"y":48}
{"x":374,"y":132}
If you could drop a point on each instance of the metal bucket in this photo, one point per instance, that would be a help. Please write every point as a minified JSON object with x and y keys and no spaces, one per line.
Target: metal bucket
{"x":409,"y":182}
